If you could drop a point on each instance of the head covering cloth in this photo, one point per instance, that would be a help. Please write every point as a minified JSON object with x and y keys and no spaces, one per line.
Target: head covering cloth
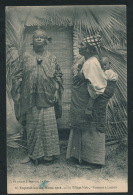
{"x":43,"y":33}
{"x":94,"y":41}
{"x":39,"y":30}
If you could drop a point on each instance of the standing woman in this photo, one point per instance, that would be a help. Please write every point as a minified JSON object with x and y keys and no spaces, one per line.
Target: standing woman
{"x":90,"y":95}
{"x":36,"y":88}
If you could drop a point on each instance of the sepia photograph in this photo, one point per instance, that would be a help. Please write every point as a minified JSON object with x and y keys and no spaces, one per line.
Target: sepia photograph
{"x":66,"y":99}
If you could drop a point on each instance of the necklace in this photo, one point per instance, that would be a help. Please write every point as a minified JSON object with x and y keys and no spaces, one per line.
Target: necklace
{"x":39,"y":59}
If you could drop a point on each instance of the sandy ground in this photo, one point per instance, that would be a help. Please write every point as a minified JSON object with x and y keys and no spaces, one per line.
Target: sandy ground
{"x":63,"y":170}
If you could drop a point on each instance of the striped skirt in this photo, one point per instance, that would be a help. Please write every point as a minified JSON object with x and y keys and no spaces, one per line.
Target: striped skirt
{"x":87,"y":144}
{"x":42,"y":133}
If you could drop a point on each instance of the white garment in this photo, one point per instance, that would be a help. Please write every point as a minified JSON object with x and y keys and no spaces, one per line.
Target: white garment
{"x":111,"y":75}
{"x":94,"y":73}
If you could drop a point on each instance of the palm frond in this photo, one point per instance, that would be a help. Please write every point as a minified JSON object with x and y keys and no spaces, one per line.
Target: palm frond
{"x":90,"y":18}
{"x":14,"y":41}
{"x":14,"y":45}
{"x":119,"y":127}
{"x":11,"y":36}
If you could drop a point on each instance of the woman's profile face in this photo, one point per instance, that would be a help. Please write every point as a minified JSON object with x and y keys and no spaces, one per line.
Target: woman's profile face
{"x":39,"y":39}
{"x":82,"y":49}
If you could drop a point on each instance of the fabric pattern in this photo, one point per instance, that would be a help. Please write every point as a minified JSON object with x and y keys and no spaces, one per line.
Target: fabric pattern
{"x":36,"y":84}
{"x":93,"y":40}
{"x":87,"y":137}
{"x":33,"y":90}
{"x":42,"y":133}
{"x":87,"y":144}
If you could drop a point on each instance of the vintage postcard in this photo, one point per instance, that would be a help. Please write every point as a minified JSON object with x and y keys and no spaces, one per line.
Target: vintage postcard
{"x":66,"y":99}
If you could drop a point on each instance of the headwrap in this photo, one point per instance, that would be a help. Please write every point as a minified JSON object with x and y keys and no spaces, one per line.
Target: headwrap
{"x":43,"y":32}
{"x":39,"y":30}
{"x":93,"y":41}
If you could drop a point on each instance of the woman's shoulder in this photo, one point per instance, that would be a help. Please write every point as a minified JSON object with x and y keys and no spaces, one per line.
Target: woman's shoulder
{"x":51,"y":56}
{"x":92,"y":60}
{"x":26,"y":54}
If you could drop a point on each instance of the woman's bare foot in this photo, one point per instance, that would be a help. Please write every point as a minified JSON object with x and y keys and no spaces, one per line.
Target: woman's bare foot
{"x":25,"y":160}
{"x":48,"y":158}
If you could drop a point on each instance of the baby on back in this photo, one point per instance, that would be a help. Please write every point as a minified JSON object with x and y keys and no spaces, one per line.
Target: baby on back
{"x":110,"y":74}
{"x":111,"y":78}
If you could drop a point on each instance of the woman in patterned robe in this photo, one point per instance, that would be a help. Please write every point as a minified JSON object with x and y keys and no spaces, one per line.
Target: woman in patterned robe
{"x":36,"y":91}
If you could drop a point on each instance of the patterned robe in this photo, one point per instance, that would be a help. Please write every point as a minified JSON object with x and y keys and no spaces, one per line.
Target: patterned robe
{"x":33,"y":88}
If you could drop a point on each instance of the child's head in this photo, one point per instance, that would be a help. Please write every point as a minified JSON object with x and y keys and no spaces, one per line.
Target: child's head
{"x":105,"y":63}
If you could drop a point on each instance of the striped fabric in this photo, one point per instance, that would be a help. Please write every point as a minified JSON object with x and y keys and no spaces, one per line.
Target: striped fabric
{"x":42,"y":133}
{"x":87,"y":137}
{"x":87,"y":144}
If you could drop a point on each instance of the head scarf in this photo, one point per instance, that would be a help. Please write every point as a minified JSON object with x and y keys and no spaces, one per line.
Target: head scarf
{"x":44,"y":34}
{"x":93,"y":41}
{"x":39,"y":30}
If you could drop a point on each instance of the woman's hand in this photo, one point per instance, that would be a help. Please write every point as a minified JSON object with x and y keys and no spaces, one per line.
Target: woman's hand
{"x":17,"y":97}
{"x":56,"y":96}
